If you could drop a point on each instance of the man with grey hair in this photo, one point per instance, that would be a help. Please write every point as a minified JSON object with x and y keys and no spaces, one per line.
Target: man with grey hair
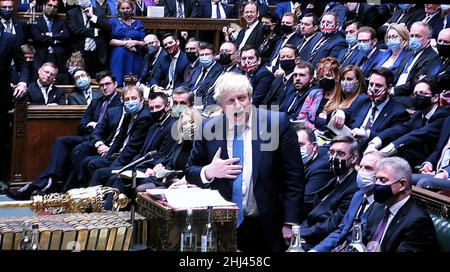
{"x":252,"y":158}
{"x":397,"y":223}
{"x":418,"y":65}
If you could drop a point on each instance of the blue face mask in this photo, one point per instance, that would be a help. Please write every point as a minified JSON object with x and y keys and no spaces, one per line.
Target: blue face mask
{"x":131,"y":106}
{"x":71,"y":69}
{"x":393,"y":44}
{"x":83,"y":83}
{"x":414,"y":44}
{"x":364,"y":47}
{"x":404,"y":6}
{"x":351,"y":40}
{"x":364,"y":180}
{"x":205,"y":61}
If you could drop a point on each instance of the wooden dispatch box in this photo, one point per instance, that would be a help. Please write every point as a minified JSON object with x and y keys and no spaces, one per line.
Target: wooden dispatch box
{"x":166,"y":223}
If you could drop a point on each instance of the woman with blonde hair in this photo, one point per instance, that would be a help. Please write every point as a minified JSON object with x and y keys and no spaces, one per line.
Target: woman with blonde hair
{"x":397,"y":41}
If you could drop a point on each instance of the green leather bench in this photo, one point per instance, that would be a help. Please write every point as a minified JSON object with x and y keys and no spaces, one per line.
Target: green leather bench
{"x":438,"y":206}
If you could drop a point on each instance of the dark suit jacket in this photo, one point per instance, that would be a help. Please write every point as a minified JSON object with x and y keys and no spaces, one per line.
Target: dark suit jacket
{"x":411,"y":15}
{"x":55,"y":95}
{"x":170,"y":8}
{"x":413,"y":140}
{"x":261,"y":81}
{"x":350,"y":58}
{"x":162,"y":70}
{"x":105,"y":129}
{"x":306,"y":50}
{"x":10,"y":50}
{"x":148,"y":67}
{"x":328,"y":213}
{"x":331,"y":48}
{"x":393,"y":114}
{"x":443,"y":139}
{"x":137,"y":134}
{"x":77,"y":97}
{"x":317,"y":175}
{"x":255,"y":38}
{"x":92,"y":113}
{"x":367,"y":15}
{"x":277,"y":92}
{"x":290,"y":96}
{"x":282,"y":7}
{"x":162,"y":142}
{"x":411,"y":229}
{"x":21,"y":30}
{"x":79,"y":32}
{"x":57,"y":41}
{"x":278,"y":202}
{"x":202,"y":86}
{"x":295,"y":40}
{"x":422,"y":67}
{"x":205,"y":10}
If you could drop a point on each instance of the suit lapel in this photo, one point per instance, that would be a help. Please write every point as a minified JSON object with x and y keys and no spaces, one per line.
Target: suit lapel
{"x":396,"y":222}
{"x":256,"y":144}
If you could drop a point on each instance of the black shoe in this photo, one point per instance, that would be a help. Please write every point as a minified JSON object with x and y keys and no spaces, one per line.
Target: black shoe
{"x":48,"y":189}
{"x":23,"y":193}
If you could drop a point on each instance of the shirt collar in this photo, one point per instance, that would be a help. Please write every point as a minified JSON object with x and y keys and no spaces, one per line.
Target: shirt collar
{"x":397,"y":206}
{"x":431,"y":112}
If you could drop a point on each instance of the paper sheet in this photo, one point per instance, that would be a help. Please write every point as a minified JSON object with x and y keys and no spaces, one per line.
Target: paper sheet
{"x":155,"y":11}
{"x":191,"y":198}
{"x":346,"y":131}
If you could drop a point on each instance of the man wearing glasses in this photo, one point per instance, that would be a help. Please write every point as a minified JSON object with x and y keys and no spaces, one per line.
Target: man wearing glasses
{"x":58,"y":167}
{"x":415,"y":140}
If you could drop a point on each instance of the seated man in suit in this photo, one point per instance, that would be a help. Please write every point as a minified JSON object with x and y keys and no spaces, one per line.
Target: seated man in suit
{"x":375,"y":112}
{"x":159,"y":138}
{"x":396,"y":223}
{"x":59,"y":166}
{"x":331,"y":40}
{"x":358,"y":209}
{"x":263,"y":177}
{"x":303,"y":78}
{"x":309,"y":30}
{"x":283,"y":83}
{"x":129,"y":140}
{"x":82,"y":94}
{"x":260,"y":77}
{"x":191,"y":48}
{"x":346,"y":55}
{"x":315,"y":162}
{"x":43,"y":91}
{"x":438,"y":160}
{"x":332,"y":200}
{"x":364,"y":13}
{"x":419,"y":65}
{"x":154,"y":54}
{"x":368,"y":52}
{"x":206,"y":73}
{"x":415,"y":139}
{"x":406,"y":14}
{"x":251,"y":34}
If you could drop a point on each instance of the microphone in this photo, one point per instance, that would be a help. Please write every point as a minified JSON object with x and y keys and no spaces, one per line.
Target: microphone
{"x":149,"y":156}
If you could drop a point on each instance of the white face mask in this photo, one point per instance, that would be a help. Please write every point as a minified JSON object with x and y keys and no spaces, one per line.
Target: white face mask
{"x":305,"y":156}
{"x":364,"y":180}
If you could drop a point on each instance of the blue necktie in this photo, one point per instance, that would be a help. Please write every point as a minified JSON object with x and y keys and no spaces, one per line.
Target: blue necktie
{"x":218,"y":11}
{"x":238,"y":152}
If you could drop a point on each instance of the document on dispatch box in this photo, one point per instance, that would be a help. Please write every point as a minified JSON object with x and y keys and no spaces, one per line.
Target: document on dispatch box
{"x":191,"y":198}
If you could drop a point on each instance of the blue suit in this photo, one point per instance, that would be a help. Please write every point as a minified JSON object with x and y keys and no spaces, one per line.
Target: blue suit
{"x":330,"y":48}
{"x":393,"y":114}
{"x":306,"y":50}
{"x":261,"y":81}
{"x":148,"y":74}
{"x":343,"y":232}
{"x":443,"y":139}
{"x":296,"y":99}
{"x":413,"y":140}
{"x":281,"y":165}
{"x":55,"y":95}
{"x":283,"y":7}
{"x":202,"y":86}
{"x":396,"y":67}
{"x":277,"y":92}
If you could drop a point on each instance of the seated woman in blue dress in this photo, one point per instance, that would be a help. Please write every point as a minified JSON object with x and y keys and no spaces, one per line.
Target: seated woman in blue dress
{"x":397,"y":41}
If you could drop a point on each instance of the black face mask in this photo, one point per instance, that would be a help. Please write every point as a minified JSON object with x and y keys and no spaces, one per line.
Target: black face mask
{"x":327,"y":84}
{"x":266,"y":29}
{"x":6,"y":14}
{"x":444,"y":50}
{"x":126,"y":14}
{"x":421,"y":102}
{"x":381,"y":193}
{"x":224,"y":59}
{"x":287,"y":65}
{"x":192,"y":56}
{"x":158,"y":115}
{"x":285,"y":29}
{"x":338,"y":166}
